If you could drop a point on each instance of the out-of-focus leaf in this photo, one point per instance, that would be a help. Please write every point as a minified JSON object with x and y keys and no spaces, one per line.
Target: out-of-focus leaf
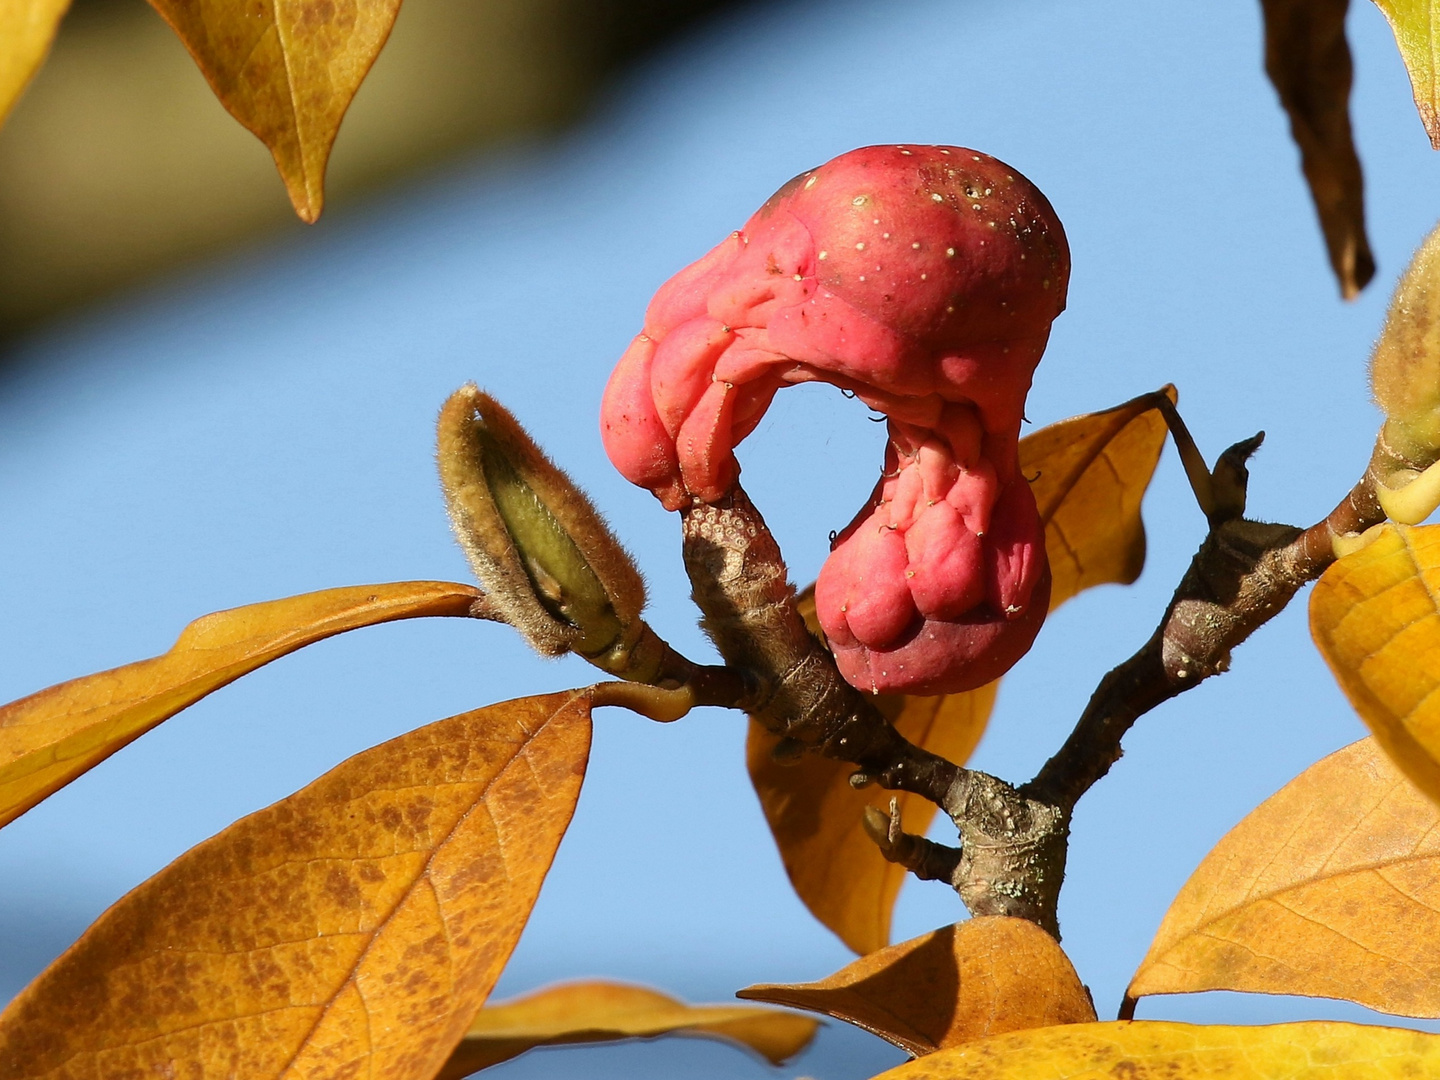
{"x":287,"y":70}
{"x":1153,"y":1049}
{"x":1088,"y":475}
{"x":1375,"y":617}
{"x":51,"y":737}
{"x":1308,"y":60}
{"x":353,"y":929}
{"x":1331,"y":888}
{"x":592,"y":1012}
{"x":1416,"y":24}
{"x":27,"y":27}
{"x":987,"y":976}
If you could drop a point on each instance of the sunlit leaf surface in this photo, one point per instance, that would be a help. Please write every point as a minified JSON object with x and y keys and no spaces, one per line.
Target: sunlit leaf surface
{"x":27,"y":27}
{"x":986,"y":976}
{"x":1152,"y":1050}
{"x":1308,"y":59}
{"x":1416,"y":24}
{"x":592,"y":1012}
{"x":287,"y":70}
{"x":1375,"y":617}
{"x":1089,"y":475}
{"x":51,"y":737}
{"x":353,"y":929}
{"x":1331,"y":888}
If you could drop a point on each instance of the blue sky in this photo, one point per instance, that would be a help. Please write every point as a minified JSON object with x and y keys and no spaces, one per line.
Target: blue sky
{"x":262,"y":427}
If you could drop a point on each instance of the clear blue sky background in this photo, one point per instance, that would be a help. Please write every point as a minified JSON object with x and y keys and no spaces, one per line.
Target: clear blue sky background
{"x":263,"y":428}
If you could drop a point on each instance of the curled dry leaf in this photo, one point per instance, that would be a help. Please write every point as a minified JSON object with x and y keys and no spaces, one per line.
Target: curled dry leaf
{"x":1308,"y":60}
{"x":1142,"y":1049}
{"x":1417,"y":32}
{"x":1375,"y":618}
{"x":287,"y":71}
{"x":27,"y":27}
{"x":353,"y":929}
{"x":55,"y":735}
{"x":592,"y":1012}
{"x":1089,"y":475}
{"x":987,"y":976}
{"x":1330,"y":888}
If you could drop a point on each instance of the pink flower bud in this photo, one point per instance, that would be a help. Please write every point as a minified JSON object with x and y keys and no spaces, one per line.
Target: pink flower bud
{"x":924,"y":279}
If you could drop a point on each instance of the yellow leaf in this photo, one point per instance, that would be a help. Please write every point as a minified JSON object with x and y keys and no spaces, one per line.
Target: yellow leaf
{"x":353,"y":929}
{"x":1375,"y":618}
{"x":1146,"y":1049}
{"x":1089,"y":476}
{"x":287,"y":70}
{"x":27,"y":27}
{"x":987,"y":976}
{"x":816,"y":816}
{"x":51,"y":737}
{"x":1331,"y":888}
{"x":1308,"y":60}
{"x":592,"y":1012}
{"x":1416,"y":24}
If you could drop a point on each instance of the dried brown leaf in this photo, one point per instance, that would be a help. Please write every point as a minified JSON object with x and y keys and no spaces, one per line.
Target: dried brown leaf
{"x":1330,"y":888}
{"x":1308,"y":60}
{"x":287,"y":70}
{"x":1152,"y":1049}
{"x":27,"y":27}
{"x":55,"y":735}
{"x":352,"y":929}
{"x":593,"y":1012}
{"x":1089,"y":475}
{"x":1375,"y":615}
{"x":986,"y":976}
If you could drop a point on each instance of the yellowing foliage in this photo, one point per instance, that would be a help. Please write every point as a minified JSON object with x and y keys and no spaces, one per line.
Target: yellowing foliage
{"x":51,"y":737}
{"x":27,"y":27}
{"x":352,"y":929}
{"x":987,"y":976}
{"x":287,"y":70}
{"x":1145,"y":1049}
{"x":1330,"y":888}
{"x":1416,"y":24}
{"x":1375,"y":617}
{"x":1089,"y":475}
{"x":592,"y":1012}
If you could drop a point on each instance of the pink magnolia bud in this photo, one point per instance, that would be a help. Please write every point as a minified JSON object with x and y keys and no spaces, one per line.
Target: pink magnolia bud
{"x":924,"y":279}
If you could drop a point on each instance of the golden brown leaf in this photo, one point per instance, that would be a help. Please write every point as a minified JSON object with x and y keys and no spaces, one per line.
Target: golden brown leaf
{"x":592,"y":1012}
{"x":1416,"y":24}
{"x":817,"y":818}
{"x":287,"y":70}
{"x":986,"y":976}
{"x":1089,"y":476}
{"x":1308,"y":60}
{"x":27,"y":27}
{"x":1330,"y":888}
{"x":1153,"y":1049}
{"x":1375,"y":617}
{"x":51,"y":737}
{"x":353,"y":929}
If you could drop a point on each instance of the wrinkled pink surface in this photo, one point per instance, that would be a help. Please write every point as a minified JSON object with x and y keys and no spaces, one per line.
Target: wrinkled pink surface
{"x":924,"y":279}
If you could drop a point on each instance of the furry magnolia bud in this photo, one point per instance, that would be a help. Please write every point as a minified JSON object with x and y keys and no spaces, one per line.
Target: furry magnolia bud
{"x":547,"y":561}
{"x":1405,"y":379}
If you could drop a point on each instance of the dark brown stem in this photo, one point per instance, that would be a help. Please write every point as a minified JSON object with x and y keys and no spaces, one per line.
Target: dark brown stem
{"x":1243,"y":575}
{"x":1013,"y":849}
